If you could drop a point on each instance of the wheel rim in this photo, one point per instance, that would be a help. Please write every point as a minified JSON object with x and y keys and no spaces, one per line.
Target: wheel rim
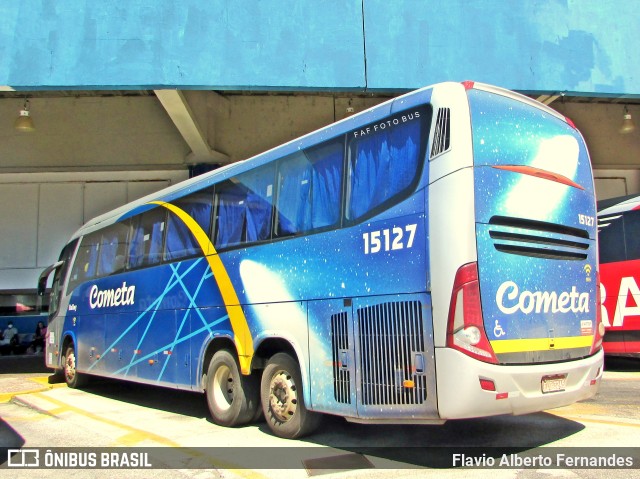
{"x":283,"y":397}
{"x":70,"y":367}
{"x":223,"y":388}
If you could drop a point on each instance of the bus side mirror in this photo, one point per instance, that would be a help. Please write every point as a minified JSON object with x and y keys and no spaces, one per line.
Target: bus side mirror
{"x":44,"y":276}
{"x":42,"y":285}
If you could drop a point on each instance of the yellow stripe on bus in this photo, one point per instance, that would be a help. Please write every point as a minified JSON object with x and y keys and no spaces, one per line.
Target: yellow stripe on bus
{"x":502,"y":346}
{"x":242,"y":335}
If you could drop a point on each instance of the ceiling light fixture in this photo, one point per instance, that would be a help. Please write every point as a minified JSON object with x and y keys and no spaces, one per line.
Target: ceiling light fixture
{"x":627,"y":122}
{"x":24,"y":122}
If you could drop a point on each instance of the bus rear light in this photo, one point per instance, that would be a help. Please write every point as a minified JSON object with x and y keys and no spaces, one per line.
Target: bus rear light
{"x":570,"y":122}
{"x":465,"y":329}
{"x":487,"y":384}
{"x":502,"y":396}
{"x":468,"y":84}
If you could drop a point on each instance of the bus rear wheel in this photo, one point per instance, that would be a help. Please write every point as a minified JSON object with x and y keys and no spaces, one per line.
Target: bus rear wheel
{"x":71,"y":375}
{"x":233,"y":399}
{"x":283,"y":401}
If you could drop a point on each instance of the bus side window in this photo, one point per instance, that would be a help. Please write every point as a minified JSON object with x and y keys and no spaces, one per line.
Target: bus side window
{"x":632,"y":234}
{"x":383,"y":164}
{"x":147,"y":231}
{"x":309,"y":189}
{"x":57,"y":288}
{"x":244,"y":208}
{"x":294,"y":176}
{"x":232,"y":214}
{"x":113,"y":249}
{"x":259,"y":203}
{"x":85,"y":265}
{"x":611,"y":240}
{"x":180,"y":241}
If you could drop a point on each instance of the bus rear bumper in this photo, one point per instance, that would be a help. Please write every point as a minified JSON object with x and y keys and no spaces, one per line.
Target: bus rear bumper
{"x":518,"y":388}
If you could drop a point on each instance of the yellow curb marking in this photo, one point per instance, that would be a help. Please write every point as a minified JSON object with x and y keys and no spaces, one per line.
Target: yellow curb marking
{"x":6,"y":397}
{"x":135,"y":435}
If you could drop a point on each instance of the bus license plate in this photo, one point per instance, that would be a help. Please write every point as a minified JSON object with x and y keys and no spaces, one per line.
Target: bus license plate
{"x":554,"y":384}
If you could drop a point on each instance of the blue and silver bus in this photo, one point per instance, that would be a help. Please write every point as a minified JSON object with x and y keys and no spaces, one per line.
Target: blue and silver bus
{"x":431,"y":258}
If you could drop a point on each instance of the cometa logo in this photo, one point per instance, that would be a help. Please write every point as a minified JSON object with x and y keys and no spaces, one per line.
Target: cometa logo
{"x":510,"y":300}
{"x":123,"y":296}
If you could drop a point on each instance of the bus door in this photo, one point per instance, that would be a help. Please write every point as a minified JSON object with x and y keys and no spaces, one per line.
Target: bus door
{"x":58,"y":302}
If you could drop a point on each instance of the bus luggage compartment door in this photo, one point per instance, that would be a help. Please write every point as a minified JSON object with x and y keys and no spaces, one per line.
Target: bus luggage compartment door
{"x":331,"y":357}
{"x":395,"y":368}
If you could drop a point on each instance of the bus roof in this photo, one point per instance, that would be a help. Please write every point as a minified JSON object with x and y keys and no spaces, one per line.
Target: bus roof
{"x":340,"y":127}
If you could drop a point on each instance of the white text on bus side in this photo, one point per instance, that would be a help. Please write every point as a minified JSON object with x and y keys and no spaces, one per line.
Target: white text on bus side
{"x":123,"y":296}
{"x":540,"y":301}
{"x":628,"y":287}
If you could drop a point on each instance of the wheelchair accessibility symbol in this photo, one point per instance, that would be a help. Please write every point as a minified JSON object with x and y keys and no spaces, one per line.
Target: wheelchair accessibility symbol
{"x":498,"y":331}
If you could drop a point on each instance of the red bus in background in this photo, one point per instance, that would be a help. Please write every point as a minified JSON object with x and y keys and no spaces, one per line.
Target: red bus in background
{"x":619,"y":242}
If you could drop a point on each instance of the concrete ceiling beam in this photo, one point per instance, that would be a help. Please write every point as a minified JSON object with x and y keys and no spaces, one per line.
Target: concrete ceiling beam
{"x":182,"y":116}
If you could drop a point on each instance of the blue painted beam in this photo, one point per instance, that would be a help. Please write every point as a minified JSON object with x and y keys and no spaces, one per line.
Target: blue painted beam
{"x":575,"y":46}
{"x":227,"y":44}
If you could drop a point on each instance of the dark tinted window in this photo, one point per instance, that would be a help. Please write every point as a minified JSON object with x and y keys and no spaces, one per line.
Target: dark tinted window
{"x":113,"y":249}
{"x":180,"y":240}
{"x":384,"y":160}
{"x":147,"y":232}
{"x":309,"y":189}
{"x":632,"y":234}
{"x":244,"y":208}
{"x":611,"y":239}
{"x":85,"y":266}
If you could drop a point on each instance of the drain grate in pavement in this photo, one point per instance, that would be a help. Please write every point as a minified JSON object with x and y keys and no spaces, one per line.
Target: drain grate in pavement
{"x":333,"y":464}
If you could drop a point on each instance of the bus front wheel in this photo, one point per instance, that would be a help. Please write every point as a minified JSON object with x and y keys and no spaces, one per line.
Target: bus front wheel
{"x":71,"y":375}
{"x":283,"y":401}
{"x":233,"y":399}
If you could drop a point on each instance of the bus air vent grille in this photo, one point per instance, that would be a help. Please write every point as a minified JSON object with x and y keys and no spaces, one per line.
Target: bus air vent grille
{"x":340,"y":346}
{"x":539,"y":239}
{"x":441,"y":134}
{"x":391,"y":338}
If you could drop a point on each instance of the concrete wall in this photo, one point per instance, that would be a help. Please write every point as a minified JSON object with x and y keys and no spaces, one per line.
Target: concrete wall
{"x":244,"y":125}
{"x":40,"y":211}
{"x":135,"y":132}
{"x":109,"y":133}
{"x":611,"y":183}
{"x":585,"y":46}
{"x":600,"y":124}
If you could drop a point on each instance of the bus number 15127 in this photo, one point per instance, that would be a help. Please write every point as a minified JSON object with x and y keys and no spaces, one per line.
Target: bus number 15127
{"x":389,"y":239}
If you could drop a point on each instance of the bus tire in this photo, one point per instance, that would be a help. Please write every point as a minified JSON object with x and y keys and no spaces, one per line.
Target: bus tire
{"x":283,"y":400}
{"x":72,"y":377}
{"x":233,"y":399}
